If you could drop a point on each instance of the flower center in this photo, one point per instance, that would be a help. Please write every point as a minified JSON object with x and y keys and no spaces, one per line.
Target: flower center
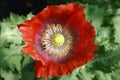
{"x":58,"y":39}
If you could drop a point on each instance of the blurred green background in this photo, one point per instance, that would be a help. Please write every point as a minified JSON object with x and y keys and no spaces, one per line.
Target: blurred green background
{"x":103,"y":14}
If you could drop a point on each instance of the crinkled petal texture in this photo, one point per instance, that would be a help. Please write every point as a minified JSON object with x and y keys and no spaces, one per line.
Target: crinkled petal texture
{"x":73,"y":18}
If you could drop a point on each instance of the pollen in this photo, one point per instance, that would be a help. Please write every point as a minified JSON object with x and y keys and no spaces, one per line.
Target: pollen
{"x":58,"y":39}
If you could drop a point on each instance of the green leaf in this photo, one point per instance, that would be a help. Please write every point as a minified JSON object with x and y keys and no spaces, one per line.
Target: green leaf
{"x":27,"y":72}
{"x":9,"y":75}
{"x":116,"y":21}
{"x":11,"y":58}
{"x":103,"y":36}
{"x":94,"y":15}
{"x":11,"y":54}
{"x":71,"y":76}
{"x":84,"y":74}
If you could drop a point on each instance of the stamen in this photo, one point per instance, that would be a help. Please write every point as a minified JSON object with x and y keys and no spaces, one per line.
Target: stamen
{"x":57,"y":40}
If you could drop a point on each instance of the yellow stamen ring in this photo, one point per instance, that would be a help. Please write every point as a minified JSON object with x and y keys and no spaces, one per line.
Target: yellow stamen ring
{"x":57,"y":40}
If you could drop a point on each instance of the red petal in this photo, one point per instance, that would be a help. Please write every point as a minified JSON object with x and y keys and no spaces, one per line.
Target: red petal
{"x":60,"y":13}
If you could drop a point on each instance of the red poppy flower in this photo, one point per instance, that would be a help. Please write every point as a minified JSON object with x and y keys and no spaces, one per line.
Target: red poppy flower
{"x":59,"y":38}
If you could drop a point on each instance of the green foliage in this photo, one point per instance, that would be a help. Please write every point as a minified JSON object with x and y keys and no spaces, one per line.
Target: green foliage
{"x":9,"y":75}
{"x":11,"y":54}
{"x":103,"y":15}
{"x":116,"y":21}
{"x":27,"y":68}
